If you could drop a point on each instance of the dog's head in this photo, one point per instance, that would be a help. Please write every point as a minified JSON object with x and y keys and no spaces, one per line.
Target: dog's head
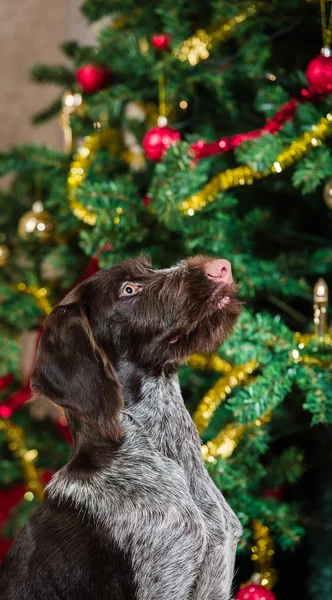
{"x":130,"y":312}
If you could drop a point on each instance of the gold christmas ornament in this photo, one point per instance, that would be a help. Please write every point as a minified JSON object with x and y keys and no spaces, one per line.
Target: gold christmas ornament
{"x":327,"y":194}
{"x":321,"y":297}
{"x":246,"y":175}
{"x":36,"y":223}
{"x":4,"y":254}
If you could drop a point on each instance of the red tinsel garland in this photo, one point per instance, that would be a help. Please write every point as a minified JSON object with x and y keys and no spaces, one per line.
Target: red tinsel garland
{"x":226,"y":144}
{"x":320,"y":83}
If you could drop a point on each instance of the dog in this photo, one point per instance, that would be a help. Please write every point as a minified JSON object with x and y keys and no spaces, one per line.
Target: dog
{"x":134,"y":514}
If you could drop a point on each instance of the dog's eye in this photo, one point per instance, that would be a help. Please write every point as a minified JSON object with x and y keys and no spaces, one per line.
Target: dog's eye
{"x":130,"y":289}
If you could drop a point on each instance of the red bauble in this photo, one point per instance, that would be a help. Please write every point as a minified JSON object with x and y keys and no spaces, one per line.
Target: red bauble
{"x":277,"y":493}
{"x":254,"y":592}
{"x":157,"y":141}
{"x":146,"y":201}
{"x":161,"y":41}
{"x":319,"y":74}
{"x":93,"y":78}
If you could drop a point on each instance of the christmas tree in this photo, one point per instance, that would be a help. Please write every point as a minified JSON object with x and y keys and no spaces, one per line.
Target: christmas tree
{"x":192,"y":128}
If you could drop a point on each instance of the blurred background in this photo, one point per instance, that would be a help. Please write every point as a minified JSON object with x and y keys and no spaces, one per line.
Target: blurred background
{"x":178,"y":129}
{"x":32,"y":33}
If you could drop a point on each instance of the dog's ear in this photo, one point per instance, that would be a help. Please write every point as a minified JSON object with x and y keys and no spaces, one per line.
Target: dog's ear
{"x":74,"y":372}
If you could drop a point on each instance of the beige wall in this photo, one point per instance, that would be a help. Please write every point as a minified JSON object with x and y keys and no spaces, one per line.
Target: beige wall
{"x":31,"y":32}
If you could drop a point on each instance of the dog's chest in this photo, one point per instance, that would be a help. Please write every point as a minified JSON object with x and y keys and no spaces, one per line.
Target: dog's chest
{"x":162,"y":413}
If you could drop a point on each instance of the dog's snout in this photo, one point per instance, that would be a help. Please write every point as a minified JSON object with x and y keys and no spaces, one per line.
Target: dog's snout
{"x":220,"y":270}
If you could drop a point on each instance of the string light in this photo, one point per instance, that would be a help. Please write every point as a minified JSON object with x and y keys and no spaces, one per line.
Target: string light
{"x":70,"y":103}
{"x":321,"y":296}
{"x":246,"y":175}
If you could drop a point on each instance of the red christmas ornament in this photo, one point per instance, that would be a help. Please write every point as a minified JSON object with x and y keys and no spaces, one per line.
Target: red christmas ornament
{"x":319,"y":74}
{"x":277,"y":493}
{"x":93,"y":78}
{"x":254,"y":592}
{"x":161,"y":41}
{"x":146,"y":201}
{"x":157,"y":141}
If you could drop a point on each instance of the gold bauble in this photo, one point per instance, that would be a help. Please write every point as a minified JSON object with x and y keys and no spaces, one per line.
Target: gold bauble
{"x":327,"y":194}
{"x":36,"y":223}
{"x":4,"y":254}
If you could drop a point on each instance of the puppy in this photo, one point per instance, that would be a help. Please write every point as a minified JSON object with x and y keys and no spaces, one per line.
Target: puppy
{"x":134,"y":514}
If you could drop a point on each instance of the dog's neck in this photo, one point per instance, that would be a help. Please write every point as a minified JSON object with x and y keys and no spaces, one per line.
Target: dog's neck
{"x":155,"y":400}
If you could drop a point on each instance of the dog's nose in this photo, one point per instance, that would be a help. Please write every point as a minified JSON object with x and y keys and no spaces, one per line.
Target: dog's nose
{"x":220,"y":270}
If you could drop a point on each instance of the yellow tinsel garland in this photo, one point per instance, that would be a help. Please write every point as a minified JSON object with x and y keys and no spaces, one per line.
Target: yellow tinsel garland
{"x":16,"y":443}
{"x":225,"y":442}
{"x":246,"y":175}
{"x":39,"y":293}
{"x":199,"y":45}
{"x":109,"y":138}
{"x":262,"y":553}
{"x":219,"y":392}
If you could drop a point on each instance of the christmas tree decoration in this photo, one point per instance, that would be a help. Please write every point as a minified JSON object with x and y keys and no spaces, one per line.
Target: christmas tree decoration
{"x":277,"y":493}
{"x":319,"y":69}
{"x":93,"y":77}
{"x":319,"y":74}
{"x":245,"y":175}
{"x":161,"y":41}
{"x":146,"y":200}
{"x":157,"y":141}
{"x":321,"y":297}
{"x":39,"y":293}
{"x":36,"y":223}
{"x":81,"y":161}
{"x":209,"y":362}
{"x":198,"y":47}
{"x":134,"y":154}
{"x":70,"y":102}
{"x":262,"y":552}
{"x":4,"y":254}
{"x":234,"y":376}
{"x":225,"y":442}
{"x":226,"y":144}
{"x":263,"y":399}
{"x":254,"y":592}
{"x":16,"y":443}
{"x":327,"y":194}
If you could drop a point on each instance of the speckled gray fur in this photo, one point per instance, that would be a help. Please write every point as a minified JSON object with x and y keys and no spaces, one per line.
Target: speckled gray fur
{"x":162,"y":412}
{"x":144,"y":502}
